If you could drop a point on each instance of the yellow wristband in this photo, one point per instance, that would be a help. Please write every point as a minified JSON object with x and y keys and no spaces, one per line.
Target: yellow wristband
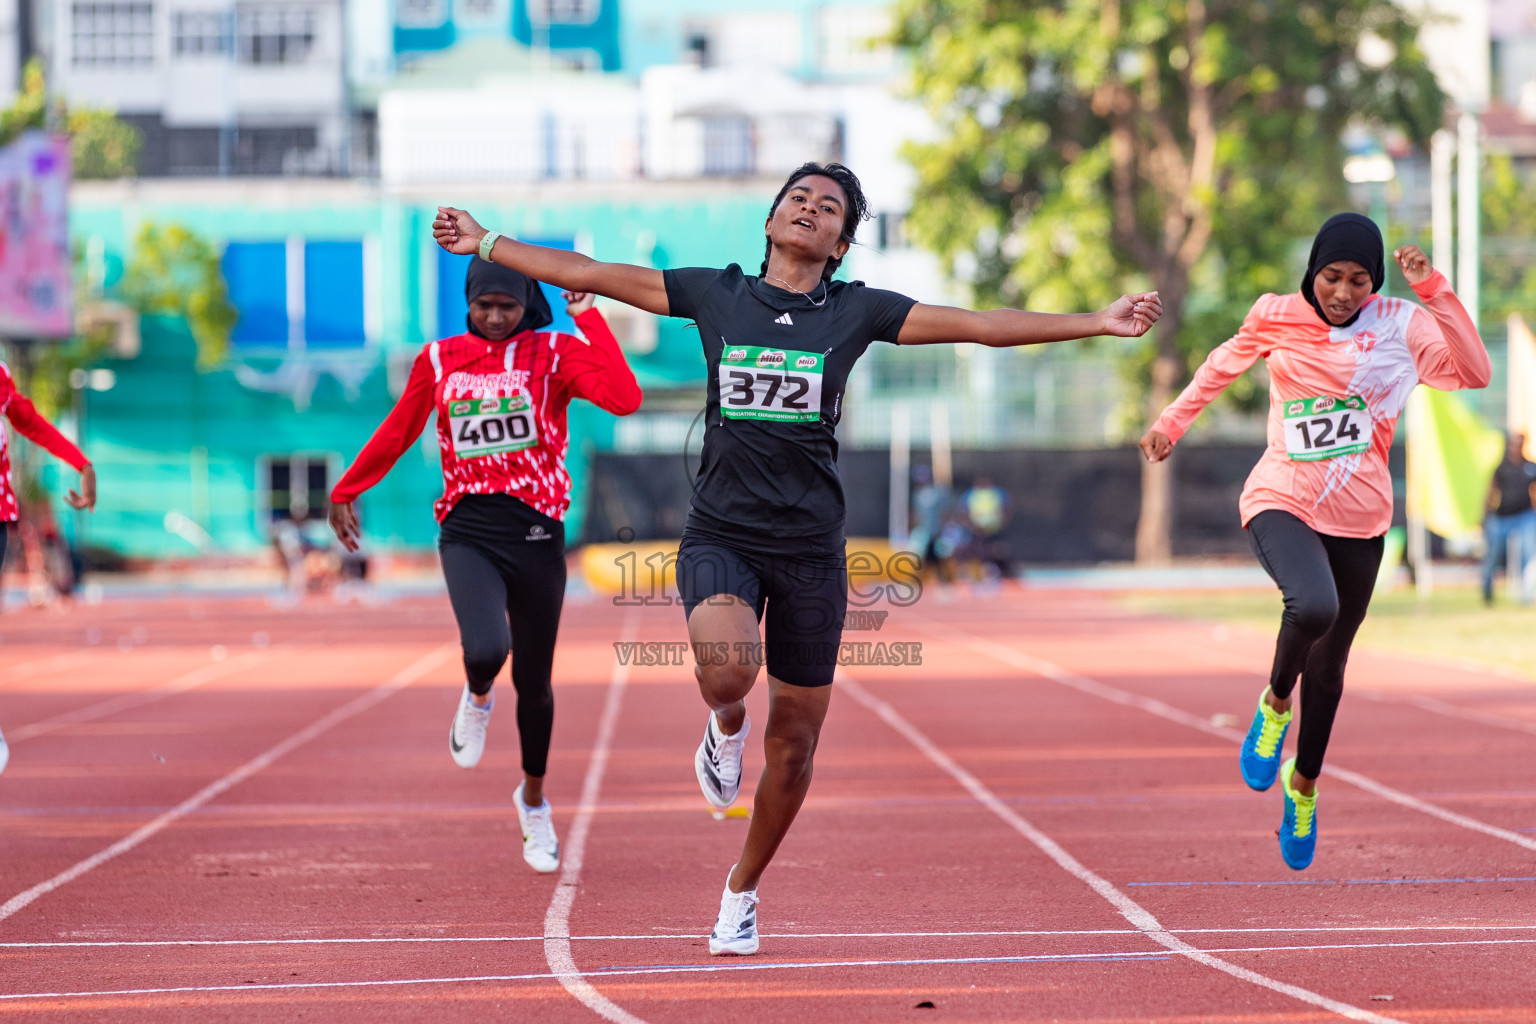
{"x":488,"y":243}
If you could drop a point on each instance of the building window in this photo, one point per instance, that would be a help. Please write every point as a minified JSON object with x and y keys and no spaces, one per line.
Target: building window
{"x":202,"y":33}
{"x":891,"y":231}
{"x":112,"y":34}
{"x":297,"y":487}
{"x":421,"y":13}
{"x":728,"y":148}
{"x":275,"y":34}
{"x":564,"y":12}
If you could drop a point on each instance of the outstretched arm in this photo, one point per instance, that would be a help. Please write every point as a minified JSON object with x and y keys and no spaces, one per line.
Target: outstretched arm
{"x":1129,"y":316}
{"x":642,"y":287}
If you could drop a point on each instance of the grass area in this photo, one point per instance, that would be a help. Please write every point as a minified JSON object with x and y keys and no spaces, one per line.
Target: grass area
{"x":1451,"y":624}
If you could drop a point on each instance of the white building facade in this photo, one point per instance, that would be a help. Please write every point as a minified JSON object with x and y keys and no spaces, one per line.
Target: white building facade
{"x":249,"y":87}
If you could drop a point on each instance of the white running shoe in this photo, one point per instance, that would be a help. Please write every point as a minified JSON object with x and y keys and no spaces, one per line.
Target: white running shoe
{"x":736,"y":928}
{"x":5,"y":753}
{"x":718,"y":762}
{"x":540,"y":847}
{"x":466,"y":737}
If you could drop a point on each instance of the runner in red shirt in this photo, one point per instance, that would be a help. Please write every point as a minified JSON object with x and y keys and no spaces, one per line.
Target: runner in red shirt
{"x":31,"y":425}
{"x":500,"y":392}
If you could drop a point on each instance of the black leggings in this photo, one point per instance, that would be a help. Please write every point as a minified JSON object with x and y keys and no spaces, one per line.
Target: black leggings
{"x":1327,"y":583}
{"x":505,"y":567}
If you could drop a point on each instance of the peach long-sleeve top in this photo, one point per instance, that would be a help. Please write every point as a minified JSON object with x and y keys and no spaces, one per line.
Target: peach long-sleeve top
{"x":1357,"y":378}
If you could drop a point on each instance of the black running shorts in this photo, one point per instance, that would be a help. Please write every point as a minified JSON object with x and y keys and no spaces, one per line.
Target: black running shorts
{"x":800,"y":597}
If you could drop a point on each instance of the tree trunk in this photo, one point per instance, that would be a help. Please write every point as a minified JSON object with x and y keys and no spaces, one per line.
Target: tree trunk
{"x":1154,"y":525}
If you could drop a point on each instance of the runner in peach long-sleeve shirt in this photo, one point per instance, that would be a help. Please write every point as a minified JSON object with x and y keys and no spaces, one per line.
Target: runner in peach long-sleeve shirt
{"x":1342,"y":361}
{"x":1315,"y":466}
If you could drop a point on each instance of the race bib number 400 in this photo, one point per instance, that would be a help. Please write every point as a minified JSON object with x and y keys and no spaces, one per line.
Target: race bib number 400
{"x":770,"y":384}
{"x":491,"y":426}
{"x":1325,"y":428}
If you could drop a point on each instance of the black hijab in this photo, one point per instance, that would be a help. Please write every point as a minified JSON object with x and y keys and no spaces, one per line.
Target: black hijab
{"x":493,"y":277}
{"x":1345,"y":236}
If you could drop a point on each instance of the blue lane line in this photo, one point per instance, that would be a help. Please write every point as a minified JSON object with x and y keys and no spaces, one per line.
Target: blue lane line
{"x":1348,"y":881}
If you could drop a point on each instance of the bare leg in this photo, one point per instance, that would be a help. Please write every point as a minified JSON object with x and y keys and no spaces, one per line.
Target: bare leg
{"x":727,"y":624}
{"x":795,"y":715}
{"x":533,"y":790}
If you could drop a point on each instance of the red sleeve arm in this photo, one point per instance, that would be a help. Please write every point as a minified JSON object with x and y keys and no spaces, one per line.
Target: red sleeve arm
{"x":597,"y":370}
{"x":394,"y":437}
{"x":32,"y":425}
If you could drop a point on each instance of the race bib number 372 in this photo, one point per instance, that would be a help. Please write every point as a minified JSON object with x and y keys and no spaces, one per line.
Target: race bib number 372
{"x":491,"y":426}
{"x":1325,"y":428}
{"x":770,"y":384}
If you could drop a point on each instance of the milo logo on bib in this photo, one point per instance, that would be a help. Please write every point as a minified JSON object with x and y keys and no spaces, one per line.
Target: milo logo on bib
{"x":1326,"y":427}
{"x":770,"y":384}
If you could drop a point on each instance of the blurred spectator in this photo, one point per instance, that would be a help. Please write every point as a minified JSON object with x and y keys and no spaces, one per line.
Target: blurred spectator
{"x":1511,"y":513}
{"x":932,"y":509}
{"x":986,"y":511}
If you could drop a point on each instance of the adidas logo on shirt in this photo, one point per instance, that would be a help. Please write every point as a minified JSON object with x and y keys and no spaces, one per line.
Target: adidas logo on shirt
{"x":785,"y":320}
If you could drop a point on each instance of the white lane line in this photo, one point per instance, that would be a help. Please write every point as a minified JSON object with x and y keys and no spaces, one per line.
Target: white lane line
{"x":1143,"y":955}
{"x":1039,"y":933}
{"x":421,"y":666}
{"x":1065,"y":677}
{"x":557,"y":919}
{"x":1128,"y":908}
{"x":180,"y":684}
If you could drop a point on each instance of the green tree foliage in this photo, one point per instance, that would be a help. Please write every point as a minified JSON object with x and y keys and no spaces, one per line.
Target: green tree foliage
{"x":1509,"y":239}
{"x":101,"y":146}
{"x":173,"y":271}
{"x":1089,"y":147}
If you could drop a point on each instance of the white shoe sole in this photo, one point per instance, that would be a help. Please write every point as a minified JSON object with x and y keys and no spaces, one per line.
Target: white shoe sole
{"x":542,"y":865}
{"x":735,"y":947}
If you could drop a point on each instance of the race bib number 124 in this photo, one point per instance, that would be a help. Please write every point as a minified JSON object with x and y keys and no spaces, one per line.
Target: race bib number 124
{"x":770,"y":384}
{"x":1325,"y":428}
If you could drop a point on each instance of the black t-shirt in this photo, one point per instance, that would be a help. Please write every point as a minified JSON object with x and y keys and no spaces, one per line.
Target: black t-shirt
{"x":1513,"y":481}
{"x":778,"y":367}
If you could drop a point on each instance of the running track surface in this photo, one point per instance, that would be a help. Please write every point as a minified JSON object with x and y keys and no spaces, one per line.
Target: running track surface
{"x":231,"y":811}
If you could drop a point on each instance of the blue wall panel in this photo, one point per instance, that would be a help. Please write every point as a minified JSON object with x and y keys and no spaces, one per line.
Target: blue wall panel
{"x":257,"y":275}
{"x":333,"y":294}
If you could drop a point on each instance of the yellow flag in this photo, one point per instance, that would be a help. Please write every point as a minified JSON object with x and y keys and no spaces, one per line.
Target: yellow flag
{"x":1451,"y":458}
{"x":1522,"y":382}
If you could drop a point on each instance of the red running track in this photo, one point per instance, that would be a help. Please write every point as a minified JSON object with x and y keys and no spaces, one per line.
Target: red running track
{"x":226,"y":811}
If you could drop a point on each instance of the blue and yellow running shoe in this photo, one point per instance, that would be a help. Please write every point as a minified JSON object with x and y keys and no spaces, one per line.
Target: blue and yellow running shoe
{"x":1298,"y":829}
{"x":1260,"y":756}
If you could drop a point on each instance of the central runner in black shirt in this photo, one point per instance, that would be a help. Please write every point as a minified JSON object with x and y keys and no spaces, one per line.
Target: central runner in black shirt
{"x":764,"y":539}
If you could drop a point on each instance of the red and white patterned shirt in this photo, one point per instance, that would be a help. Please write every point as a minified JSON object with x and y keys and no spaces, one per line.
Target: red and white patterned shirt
{"x":31,"y":425}
{"x":500,"y":413}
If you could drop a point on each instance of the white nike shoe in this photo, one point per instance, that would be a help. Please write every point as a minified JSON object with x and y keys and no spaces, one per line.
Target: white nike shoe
{"x":718,"y":762}
{"x":5,"y":753}
{"x":540,"y":847}
{"x":736,"y":928}
{"x":466,"y":737}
